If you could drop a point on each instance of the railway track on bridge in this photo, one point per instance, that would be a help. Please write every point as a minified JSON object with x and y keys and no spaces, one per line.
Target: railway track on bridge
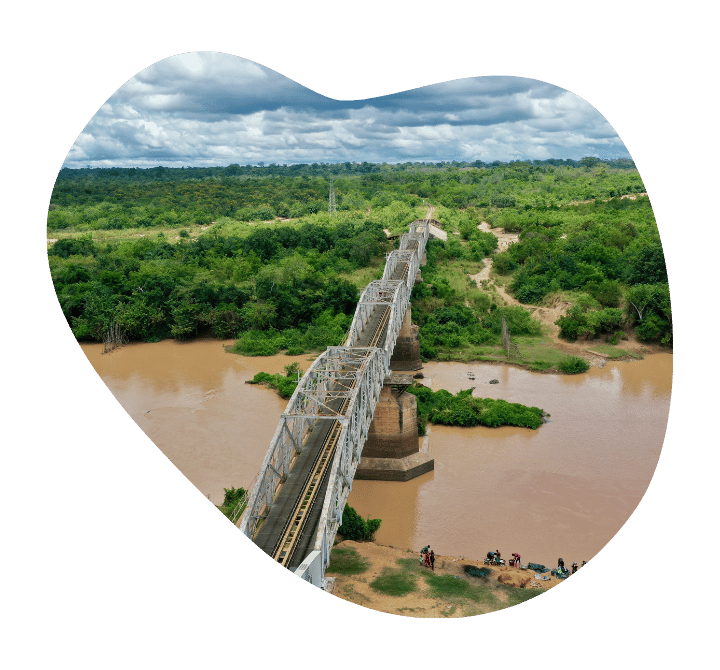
{"x":285,"y":548}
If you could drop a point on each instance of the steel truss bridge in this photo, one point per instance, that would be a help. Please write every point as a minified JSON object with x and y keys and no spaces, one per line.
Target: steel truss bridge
{"x":296,"y":503}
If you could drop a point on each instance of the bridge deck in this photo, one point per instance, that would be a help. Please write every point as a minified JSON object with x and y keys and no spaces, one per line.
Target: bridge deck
{"x":282,"y":508}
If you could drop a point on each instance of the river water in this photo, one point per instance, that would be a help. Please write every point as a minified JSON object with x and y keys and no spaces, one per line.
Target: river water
{"x":562,"y":490}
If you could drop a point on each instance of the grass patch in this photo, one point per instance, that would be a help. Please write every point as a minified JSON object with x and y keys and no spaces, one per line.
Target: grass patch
{"x":412,"y":565}
{"x":611,"y":352}
{"x":172,"y":234}
{"x":540,"y":366}
{"x":394,"y":582}
{"x":354,"y":596}
{"x":346,"y":562}
{"x":538,"y":352}
{"x":456,"y":590}
{"x":449,"y":586}
{"x":516,"y":595}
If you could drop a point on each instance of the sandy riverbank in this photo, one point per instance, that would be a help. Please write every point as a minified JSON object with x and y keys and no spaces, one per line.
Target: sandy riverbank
{"x":502,"y":587}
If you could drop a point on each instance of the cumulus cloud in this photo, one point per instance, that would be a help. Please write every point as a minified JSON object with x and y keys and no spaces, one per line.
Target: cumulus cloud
{"x":214,"y":109}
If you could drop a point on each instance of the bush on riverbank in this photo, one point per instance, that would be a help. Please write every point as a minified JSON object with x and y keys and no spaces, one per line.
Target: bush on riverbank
{"x":326,"y":330}
{"x":573,"y":365}
{"x":354,"y":527}
{"x":232,"y":497}
{"x":462,"y":409}
{"x":285,"y":384}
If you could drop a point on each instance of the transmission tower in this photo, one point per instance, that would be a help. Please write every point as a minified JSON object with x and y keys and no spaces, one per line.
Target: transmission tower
{"x":331,"y":204}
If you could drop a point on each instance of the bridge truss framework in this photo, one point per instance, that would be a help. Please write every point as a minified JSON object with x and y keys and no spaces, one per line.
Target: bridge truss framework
{"x":343,"y":384}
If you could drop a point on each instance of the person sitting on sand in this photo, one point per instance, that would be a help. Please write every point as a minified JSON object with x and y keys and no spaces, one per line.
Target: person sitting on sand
{"x":561,"y":563}
{"x":574,"y":567}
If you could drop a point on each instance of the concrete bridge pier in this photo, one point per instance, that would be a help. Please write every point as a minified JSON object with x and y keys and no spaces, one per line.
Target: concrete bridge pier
{"x":391,"y":451}
{"x":406,"y":355}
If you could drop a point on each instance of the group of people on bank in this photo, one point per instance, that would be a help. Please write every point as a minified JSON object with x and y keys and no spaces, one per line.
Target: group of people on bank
{"x":563,"y":572}
{"x":427,"y":558}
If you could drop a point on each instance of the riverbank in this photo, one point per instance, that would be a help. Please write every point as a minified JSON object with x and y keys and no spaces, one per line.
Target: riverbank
{"x":450,"y":591}
{"x":543,"y":357}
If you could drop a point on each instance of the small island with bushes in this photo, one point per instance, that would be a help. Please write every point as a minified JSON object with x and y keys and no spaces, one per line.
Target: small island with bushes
{"x":463,"y":409}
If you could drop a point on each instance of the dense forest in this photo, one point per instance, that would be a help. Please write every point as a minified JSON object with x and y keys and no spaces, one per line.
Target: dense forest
{"x":253,"y":254}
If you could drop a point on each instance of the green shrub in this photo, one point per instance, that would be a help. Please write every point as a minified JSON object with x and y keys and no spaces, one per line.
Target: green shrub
{"x":582,"y":320}
{"x":573,"y":365}
{"x":606,"y":292}
{"x":285,"y":385}
{"x":354,"y":527}
{"x":232,"y":498}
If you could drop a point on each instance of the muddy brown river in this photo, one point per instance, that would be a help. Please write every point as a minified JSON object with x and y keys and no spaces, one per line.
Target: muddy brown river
{"x":562,"y":490}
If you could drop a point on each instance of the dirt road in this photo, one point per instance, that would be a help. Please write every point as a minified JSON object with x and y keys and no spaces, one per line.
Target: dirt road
{"x":548,"y":313}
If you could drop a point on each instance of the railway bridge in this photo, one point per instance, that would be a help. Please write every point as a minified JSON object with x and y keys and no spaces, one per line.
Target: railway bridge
{"x":296,"y":503}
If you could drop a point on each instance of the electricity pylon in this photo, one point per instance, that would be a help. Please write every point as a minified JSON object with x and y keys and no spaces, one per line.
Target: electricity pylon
{"x":331,"y":204}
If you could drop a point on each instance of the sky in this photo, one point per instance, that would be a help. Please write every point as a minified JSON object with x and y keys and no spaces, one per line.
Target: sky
{"x":215,"y":109}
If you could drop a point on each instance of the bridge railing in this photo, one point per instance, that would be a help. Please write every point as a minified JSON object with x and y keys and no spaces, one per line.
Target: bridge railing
{"x":352,"y":439}
{"x":286,"y":443}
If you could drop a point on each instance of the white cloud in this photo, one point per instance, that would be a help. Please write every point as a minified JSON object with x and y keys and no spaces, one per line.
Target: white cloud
{"x":210,"y":107}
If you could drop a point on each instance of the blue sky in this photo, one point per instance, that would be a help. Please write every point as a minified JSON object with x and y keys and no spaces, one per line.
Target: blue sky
{"x":208,"y":108}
